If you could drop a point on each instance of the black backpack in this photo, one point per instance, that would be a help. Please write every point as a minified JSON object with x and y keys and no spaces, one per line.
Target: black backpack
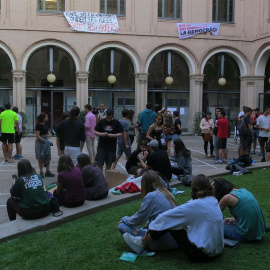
{"x":241,"y":126}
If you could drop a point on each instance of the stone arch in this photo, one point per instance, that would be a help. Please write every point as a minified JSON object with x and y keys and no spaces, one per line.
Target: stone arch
{"x":188,"y":56}
{"x":237,"y":56}
{"x":261,"y":59}
{"x":10,"y":54}
{"x":56,"y":43}
{"x":132,"y":54}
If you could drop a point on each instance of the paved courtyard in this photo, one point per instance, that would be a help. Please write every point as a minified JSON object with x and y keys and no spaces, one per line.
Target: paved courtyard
{"x":195,"y":144}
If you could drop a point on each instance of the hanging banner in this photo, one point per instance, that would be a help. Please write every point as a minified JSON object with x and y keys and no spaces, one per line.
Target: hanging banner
{"x":92,"y":22}
{"x":187,"y":30}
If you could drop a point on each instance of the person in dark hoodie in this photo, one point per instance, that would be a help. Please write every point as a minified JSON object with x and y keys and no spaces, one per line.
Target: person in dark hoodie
{"x":146,"y":118}
{"x":182,"y":157}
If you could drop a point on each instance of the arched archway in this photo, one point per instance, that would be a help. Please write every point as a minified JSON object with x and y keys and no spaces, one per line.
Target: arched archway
{"x":7,"y":64}
{"x":178,"y":64}
{"x":119,"y":95}
{"x":226,"y":96}
{"x":55,"y":97}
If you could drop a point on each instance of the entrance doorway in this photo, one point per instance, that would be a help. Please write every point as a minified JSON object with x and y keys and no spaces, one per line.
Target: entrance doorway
{"x":52,"y":104}
{"x":227,"y":101}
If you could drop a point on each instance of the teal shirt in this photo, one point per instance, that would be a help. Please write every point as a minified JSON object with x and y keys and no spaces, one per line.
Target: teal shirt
{"x":30,"y":192}
{"x":249,"y":216}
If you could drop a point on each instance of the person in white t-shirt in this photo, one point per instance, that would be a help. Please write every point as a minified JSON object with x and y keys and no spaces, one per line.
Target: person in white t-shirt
{"x":197,"y":226}
{"x":263,"y":126}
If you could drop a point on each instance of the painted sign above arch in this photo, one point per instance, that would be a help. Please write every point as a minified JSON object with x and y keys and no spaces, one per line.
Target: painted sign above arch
{"x":92,"y":22}
{"x":188,"y":30}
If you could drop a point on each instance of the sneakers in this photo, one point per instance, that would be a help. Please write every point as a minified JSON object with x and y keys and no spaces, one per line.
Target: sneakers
{"x":252,"y":152}
{"x":263,"y":159}
{"x":17,"y":157}
{"x":219,"y":162}
{"x":260,"y":154}
{"x":49,"y":174}
{"x":134,"y":242}
{"x":215,"y":158}
{"x":41,"y":174}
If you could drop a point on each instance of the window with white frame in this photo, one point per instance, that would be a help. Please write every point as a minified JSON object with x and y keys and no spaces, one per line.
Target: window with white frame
{"x":170,"y":9}
{"x":50,"y":5}
{"x":117,"y":7}
{"x":223,"y":11}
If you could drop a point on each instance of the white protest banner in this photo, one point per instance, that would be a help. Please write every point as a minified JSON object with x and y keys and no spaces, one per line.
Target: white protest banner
{"x":92,"y":22}
{"x":187,"y":30}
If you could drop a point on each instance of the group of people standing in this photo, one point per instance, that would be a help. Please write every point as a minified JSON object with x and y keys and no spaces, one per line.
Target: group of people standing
{"x":251,"y":127}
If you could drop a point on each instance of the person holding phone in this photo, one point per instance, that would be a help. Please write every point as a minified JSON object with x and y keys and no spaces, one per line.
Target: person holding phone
{"x":28,"y":198}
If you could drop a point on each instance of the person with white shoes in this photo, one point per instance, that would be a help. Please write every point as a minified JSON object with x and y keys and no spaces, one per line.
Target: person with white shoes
{"x":156,"y":200}
{"x":197,"y":226}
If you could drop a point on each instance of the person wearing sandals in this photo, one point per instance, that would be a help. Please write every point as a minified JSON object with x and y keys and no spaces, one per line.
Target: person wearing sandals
{"x":70,"y":190}
{"x":28,"y":198}
{"x":95,"y":184}
{"x":156,"y":200}
{"x":207,"y":125}
{"x":247,"y":223}
{"x":197,"y":226}
{"x":42,"y":145}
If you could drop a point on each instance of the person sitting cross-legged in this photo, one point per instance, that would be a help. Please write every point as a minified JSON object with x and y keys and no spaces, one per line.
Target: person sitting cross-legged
{"x":133,"y":165}
{"x":196,"y":226}
{"x":28,"y":198}
{"x":156,"y":200}
{"x":70,"y":190}
{"x":95,"y":184}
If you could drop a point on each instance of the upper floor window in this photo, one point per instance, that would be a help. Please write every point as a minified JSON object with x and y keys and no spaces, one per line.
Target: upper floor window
{"x":117,"y":7}
{"x":50,"y":5}
{"x":223,"y":11}
{"x":170,"y":9}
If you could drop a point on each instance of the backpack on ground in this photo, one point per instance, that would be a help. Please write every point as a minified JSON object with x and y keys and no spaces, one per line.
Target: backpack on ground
{"x":241,"y":127}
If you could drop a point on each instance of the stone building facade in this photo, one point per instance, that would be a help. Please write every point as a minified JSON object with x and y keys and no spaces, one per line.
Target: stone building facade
{"x":148,"y":33}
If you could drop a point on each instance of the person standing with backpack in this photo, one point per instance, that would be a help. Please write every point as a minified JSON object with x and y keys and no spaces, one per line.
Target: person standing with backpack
{"x":263,"y":126}
{"x":245,"y":132}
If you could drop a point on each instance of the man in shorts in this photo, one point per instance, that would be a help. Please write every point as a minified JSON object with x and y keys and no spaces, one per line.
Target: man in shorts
{"x":133,"y":165}
{"x":18,"y":136}
{"x":255,"y":131}
{"x":123,"y":142}
{"x":108,"y":130}
{"x":223,"y":134}
{"x":215,"y":132}
{"x":8,"y":120}
{"x":263,"y":126}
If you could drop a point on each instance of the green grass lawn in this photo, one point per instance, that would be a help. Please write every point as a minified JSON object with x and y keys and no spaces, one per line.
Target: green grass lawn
{"x":94,"y":242}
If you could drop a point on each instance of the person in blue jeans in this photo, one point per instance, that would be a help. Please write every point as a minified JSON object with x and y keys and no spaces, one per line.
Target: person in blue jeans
{"x":156,"y":200}
{"x":247,"y":222}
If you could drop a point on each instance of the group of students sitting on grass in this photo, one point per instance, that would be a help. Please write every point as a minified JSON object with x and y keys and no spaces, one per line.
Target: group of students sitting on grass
{"x":197,"y":227}
{"x":74,"y":185}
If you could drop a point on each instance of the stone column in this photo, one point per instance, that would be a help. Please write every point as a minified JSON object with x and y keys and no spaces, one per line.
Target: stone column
{"x":251,"y":86}
{"x":19,"y":89}
{"x":140,"y":92}
{"x":195,"y":97}
{"x":82,"y":88}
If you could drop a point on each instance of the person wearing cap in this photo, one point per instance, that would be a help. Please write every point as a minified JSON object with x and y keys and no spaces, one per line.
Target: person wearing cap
{"x":72,"y":132}
{"x":158,"y":161}
{"x":255,"y":131}
{"x":108,"y":130}
{"x":133,"y":165}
